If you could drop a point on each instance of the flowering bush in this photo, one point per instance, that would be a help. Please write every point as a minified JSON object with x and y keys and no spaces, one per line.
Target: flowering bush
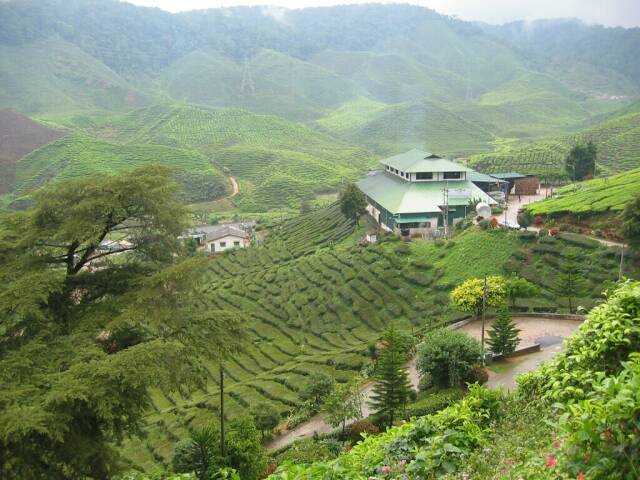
{"x":468,"y":295}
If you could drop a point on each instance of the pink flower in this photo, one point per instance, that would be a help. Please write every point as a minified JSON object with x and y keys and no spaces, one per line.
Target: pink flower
{"x":551,"y":461}
{"x":386,"y":469}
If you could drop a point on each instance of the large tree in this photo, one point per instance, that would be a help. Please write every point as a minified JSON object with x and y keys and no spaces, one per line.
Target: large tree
{"x":353,"y":204}
{"x":392,"y":388}
{"x":81,"y":348}
{"x":581,"y":161}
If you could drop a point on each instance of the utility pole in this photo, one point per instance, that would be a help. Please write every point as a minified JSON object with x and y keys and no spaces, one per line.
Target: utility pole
{"x":222,"y":449}
{"x":445,"y":203}
{"x":621,"y":260}
{"x":484,"y":307}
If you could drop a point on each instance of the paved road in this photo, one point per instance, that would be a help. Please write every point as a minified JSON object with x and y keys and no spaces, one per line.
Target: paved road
{"x":532,"y":330}
{"x":318,"y":424}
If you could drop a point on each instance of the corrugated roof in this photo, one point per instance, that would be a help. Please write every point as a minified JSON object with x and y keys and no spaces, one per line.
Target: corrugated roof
{"x":416,"y":160}
{"x":483,"y":177}
{"x":400,"y":196}
{"x":508,"y":175}
{"x":224,"y":232}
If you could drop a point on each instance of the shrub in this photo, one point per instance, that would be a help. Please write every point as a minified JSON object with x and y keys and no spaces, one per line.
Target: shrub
{"x":543,"y":232}
{"x":479,"y":374}
{"x":449,"y":357}
{"x":358,"y":428}
{"x":484,"y":224}
{"x":306,"y":451}
{"x":538,"y":220}
{"x":527,"y":236}
{"x":431,"y":403}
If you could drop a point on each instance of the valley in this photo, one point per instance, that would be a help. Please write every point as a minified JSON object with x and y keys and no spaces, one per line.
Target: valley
{"x":218,"y":228}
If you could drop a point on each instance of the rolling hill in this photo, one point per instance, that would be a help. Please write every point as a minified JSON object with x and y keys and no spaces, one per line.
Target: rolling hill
{"x":298,"y":101}
{"x":56,"y":76}
{"x":316,"y":300}
{"x":593,"y":197}
{"x":392,"y":129}
{"x":269,"y":154}
{"x":617,"y":139}
{"x":19,"y":135}
{"x":78,"y":155}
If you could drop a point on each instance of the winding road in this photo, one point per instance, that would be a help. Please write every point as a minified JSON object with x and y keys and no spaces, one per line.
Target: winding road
{"x":546,"y":331}
{"x":234,"y":187}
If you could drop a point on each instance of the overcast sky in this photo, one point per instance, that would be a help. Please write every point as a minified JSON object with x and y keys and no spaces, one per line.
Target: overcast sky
{"x":607,"y":12}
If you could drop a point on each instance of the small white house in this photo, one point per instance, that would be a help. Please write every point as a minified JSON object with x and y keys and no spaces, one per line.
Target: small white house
{"x":226,"y":238}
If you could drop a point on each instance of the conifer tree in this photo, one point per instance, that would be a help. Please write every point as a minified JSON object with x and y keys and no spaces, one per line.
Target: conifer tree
{"x":571,"y":282}
{"x":503,"y":335}
{"x":392,"y":388}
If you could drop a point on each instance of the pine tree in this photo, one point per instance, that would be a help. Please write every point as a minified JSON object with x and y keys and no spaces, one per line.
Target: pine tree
{"x":503,"y":336}
{"x":571,"y":282}
{"x":392,"y":388}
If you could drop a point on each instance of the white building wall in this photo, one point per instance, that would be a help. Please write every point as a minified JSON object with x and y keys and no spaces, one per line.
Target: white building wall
{"x":226,"y":243}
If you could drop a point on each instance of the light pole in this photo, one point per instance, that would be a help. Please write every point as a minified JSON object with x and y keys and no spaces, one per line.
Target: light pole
{"x":484,"y":307}
{"x":222,"y":446}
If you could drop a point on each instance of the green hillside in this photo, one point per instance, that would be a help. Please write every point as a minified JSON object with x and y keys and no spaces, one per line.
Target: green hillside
{"x":316,"y":300}
{"x":52,"y":76}
{"x":270,"y":154}
{"x":568,"y":418}
{"x":617,"y":139}
{"x":270,"y":82}
{"x":78,"y":155}
{"x":405,"y":126}
{"x":592,"y":197}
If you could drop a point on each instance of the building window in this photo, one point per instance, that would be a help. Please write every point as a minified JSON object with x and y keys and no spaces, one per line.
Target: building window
{"x":223,"y":244}
{"x":236,"y":244}
{"x":452,"y":175}
{"x":424,"y":176}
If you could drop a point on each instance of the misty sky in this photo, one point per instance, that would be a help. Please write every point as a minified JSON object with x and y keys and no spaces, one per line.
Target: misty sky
{"x":608,"y":12}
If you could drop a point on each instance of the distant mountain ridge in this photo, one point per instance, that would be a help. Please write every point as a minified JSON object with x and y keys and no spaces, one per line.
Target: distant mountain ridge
{"x":337,"y":87}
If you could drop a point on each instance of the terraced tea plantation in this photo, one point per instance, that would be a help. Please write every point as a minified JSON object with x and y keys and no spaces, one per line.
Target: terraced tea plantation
{"x":282,"y":162}
{"x":617,"y":141}
{"x":77,"y":155}
{"x":315,"y":300}
{"x":592,"y":197}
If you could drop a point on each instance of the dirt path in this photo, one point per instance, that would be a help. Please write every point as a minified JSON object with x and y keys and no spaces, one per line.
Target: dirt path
{"x":234,"y":186}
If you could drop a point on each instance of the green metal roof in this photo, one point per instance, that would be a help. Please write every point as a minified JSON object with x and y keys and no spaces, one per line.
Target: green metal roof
{"x":508,"y":175}
{"x":416,"y":160}
{"x":483,"y":177}
{"x":399,"y":196}
{"x":413,"y":218}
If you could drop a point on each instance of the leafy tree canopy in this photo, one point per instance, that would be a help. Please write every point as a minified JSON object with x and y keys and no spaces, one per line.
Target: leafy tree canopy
{"x":81,"y":348}
{"x":352,"y":202}
{"x":581,"y":161}
{"x":468,"y":295}
{"x":448,"y":357}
